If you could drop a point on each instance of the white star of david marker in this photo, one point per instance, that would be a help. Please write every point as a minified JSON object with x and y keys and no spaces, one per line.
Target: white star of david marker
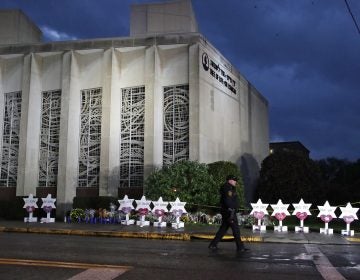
{"x":259,"y":207}
{"x":302,"y":207}
{"x":177,"y":205}
{"x":327,"y":210}
{"x":126,"y":203}
{"x":280,"y":208}
{"x":143,"y":203}
{"x":30,"y":201}
{"x":348,"y":211}
{"x":48,"y":202}
{"x":160,"y":205}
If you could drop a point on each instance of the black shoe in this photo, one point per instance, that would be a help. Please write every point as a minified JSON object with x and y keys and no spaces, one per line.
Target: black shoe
{"x":213,"y":247}
{"x":243,"y":250}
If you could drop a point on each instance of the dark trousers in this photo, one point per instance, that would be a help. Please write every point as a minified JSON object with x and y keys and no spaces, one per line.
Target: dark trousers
{"x":226,"y":223}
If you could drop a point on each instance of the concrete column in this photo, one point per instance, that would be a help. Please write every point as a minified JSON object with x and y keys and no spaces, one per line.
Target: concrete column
{"x":194,"y":140}
{"x":31,"y":177}
{"x":29,"y":84}
{"x":149,"y":161}
{"x":105,"y":173}
{"x":114,"y":124}
{"x":158,"y":114}
{"x":69,"y":134}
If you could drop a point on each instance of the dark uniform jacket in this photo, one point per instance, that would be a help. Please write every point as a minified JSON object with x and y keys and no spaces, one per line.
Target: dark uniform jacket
{"x":228,"y":199}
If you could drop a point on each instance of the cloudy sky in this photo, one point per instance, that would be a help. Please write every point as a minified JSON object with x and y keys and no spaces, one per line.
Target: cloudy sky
{"x":302,"y":55}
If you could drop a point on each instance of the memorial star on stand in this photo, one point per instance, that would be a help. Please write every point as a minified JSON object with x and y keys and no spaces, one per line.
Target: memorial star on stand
{"x":259,"y":211}
{"x":348,"y":214}
{"x":30,"y":205}
{"x":143,"y":208}
{"x":327,"y":213}
{"x":280,"y":213}
{"x":177,"y":208}
{"x":126,"y":205}
{"x":302,"y":210}
{"x":160,"y":208}
{"x":47,"y":205}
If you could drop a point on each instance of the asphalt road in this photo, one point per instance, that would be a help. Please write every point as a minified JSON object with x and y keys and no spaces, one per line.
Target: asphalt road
{"x":33,"y":256}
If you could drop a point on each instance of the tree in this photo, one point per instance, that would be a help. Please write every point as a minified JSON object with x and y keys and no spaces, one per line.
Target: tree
{"x":341,"y":180}
{"x":188,"y":180}
{"x":289,"y":176}
{"x":220,"y":170}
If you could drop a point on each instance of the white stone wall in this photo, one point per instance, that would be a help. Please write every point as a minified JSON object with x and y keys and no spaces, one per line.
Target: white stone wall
{"x":223,"y":125}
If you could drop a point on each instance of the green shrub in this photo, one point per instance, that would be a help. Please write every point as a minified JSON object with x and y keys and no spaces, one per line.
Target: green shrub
{"x":188,"y":180}
{"x":219,"y":170}
{"x":13,"y":210}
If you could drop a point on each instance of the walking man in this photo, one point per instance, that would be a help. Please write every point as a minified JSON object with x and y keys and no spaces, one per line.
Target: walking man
{"x":229,"y":203}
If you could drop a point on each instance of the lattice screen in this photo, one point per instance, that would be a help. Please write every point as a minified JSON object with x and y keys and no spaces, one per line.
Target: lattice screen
{"x":176,"y":124}
{"x":10,"y":139}
{"x":132,"y":137}
{"x":49,"y":138}
{"x":90,"y":137}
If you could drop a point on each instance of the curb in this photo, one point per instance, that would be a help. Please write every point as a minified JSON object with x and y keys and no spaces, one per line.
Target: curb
{"x":120,"y":234}
{"x":353,"y":239}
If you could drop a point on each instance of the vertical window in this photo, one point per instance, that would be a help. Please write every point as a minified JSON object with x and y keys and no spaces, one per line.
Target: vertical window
{"x":90,"y":137}
{"x":132,"y":137}
{"x":10,"y":139}
{"x":176,"y":124}
{"x":49,"y":138}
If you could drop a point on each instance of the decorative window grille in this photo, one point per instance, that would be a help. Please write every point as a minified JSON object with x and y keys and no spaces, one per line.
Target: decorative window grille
{"x":49,"y":138}
{"x":132,"y":137}
{"x":90,"y":137}
{"x":176,"y":124}
{"x":10,"y":139}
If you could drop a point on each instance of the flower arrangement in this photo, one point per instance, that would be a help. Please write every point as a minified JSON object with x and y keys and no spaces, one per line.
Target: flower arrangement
{"x":77,"y":214}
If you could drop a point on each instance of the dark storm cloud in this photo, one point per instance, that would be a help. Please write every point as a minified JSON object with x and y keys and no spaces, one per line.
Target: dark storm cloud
{"x":303,"y":56}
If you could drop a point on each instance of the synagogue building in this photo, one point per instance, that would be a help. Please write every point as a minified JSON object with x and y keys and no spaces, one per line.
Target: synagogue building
{"x":95,"y":117}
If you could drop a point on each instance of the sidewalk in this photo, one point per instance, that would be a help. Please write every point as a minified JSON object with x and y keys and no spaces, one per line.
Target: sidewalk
{"x":191,"y":231}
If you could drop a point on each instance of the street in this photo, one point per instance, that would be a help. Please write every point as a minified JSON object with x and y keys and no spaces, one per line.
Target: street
{"x":35,"y":256}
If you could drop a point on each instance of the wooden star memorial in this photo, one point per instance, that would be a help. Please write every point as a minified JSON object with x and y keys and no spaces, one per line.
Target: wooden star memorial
{"x":348,"y":214}
{"x":126,"y":205}
{"x":30,"y":206}
{"x":143,"y":208}
{"x":159,"y":210}
{"x":280,"y":212}
{"x":302,"y":210}
{"x":177,"y":209}
{"x":48,"y":205}
{"x":327,"y":213}
{"x":259,"y":211}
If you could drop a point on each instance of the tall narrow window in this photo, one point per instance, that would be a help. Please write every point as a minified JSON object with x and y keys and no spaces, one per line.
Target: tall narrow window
{"x":176,"y":124}
{"x":10,"y":139}
{"x":90,"y":137}
{"x":49,"y":138}
{"x":132,"y":137}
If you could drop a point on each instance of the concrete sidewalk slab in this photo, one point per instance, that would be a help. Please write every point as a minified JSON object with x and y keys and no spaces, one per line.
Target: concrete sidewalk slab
{"x":189,"y":232}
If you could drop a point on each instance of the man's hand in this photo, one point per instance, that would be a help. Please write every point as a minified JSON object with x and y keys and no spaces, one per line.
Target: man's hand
{"x":231,"y":215}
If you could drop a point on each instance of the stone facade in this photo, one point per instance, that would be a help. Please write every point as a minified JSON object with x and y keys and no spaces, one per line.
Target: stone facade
{"x":95,"y":117}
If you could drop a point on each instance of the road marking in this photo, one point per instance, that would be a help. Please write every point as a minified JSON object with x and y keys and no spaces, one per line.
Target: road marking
{"x":353,"y":239}
{"x":322,"y":263}
{"x":62,"y":264}
{"x":98,"y":274}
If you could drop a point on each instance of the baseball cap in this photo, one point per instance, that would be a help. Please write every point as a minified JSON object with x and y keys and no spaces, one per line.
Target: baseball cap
{"x":231,"y":177}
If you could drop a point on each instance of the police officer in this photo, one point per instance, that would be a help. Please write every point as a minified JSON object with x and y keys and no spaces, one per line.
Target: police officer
{"x":229,"y":203}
